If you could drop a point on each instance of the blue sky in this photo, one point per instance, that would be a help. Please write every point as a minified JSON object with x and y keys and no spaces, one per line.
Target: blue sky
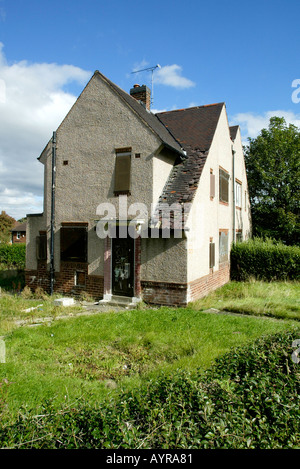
{"x":240,"y":52}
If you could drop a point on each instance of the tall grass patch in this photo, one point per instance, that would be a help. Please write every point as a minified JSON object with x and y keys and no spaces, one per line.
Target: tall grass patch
{"x":255,"y":297}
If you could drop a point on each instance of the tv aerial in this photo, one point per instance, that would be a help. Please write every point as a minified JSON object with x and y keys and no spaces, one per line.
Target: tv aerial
{"x":149,"y":69}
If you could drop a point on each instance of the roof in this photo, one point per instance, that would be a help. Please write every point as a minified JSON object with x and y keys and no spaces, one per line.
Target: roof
{"x":19,"y":227}
{"x":233,"y":131}
{"x":194,"y":128}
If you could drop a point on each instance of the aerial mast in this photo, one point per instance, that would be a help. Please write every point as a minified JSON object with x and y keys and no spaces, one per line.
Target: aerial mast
{"x":149,"y":69}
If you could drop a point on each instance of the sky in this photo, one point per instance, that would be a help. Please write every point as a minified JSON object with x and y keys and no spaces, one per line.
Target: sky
{"x":244,"y":53}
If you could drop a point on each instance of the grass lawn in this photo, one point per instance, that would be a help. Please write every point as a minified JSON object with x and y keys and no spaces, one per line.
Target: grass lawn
{"x":92,"y":356}
{"x":275,"y":299}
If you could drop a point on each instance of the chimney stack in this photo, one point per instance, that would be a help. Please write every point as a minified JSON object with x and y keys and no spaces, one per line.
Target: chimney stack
{"x":141,"y":93}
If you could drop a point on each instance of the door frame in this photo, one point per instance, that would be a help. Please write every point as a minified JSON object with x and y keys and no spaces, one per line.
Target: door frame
{"x":130,"y":292}
{"x":107,"y":269}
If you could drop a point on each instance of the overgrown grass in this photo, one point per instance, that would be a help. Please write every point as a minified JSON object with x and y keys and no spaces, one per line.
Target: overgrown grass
{"x":275,"y":299}
{"x":18,"y":310}
{"x":94,"y":355}
{"x":249,"y":398}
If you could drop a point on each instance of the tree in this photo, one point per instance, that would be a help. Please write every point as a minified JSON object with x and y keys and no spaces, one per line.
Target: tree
{"x":273,"y":172}
{"x":6,"y":224}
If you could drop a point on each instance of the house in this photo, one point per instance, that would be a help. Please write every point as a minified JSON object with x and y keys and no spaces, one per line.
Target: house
{"x":138,"y":205}
{"x":18,"y":233}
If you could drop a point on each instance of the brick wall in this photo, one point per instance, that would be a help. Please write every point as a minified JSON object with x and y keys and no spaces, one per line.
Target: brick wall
{"x":160,"y":293}
{"x":22,"y":238}
{"x":73,"y":279}
{"x":202,"y":286}
{"x":176,"y":294}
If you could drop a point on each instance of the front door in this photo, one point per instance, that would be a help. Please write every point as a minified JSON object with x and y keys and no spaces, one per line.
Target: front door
{"x":123,"y":266}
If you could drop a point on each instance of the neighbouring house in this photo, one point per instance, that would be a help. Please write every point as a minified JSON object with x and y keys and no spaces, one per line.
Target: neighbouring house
{"x":18,"y":233}
{"x":139,"y":205}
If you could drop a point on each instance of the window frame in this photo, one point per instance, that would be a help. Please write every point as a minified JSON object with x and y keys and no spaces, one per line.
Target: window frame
{"x":238,"y":194}
{"x":223,"y":183}
{"x":222,"y":234}
{"x":79,"y":227}
{"x":41,"y":246}
{"x":122,"y":177}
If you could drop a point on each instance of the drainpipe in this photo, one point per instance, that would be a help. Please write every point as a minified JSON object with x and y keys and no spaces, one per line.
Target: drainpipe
{"x":52,"y":213}
{"x":233,"y":191}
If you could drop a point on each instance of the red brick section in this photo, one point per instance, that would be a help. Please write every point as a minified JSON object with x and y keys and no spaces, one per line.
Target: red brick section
{"x":176,"y":294}
{"x":169,"y":294}
{"x":15,"y":240}
{"x":208,"y":283}
{"x":159,"y":293}
{"x":65,"y":280}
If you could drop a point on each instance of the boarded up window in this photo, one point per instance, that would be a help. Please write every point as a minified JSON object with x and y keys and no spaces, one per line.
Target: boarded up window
{"x":41,"y":247}
{"x":122,"y":171}
{"x":211,"y":255}
{"x":212,"y":186}
{"x":223,"y":186}
{"x":73,"y":244}
{"x":223,"y":246}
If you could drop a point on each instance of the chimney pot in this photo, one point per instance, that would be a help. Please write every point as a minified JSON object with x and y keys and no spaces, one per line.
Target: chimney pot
{"x":141,"y":93}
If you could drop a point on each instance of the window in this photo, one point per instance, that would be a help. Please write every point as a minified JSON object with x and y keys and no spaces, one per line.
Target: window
{"x":80,"y":278}
{"x":223,"y":246}
{"x":211,"y":255}
{"x":41,"y":247}
{"x":122,"y":171}
{"x":223,"y":186}
{"x":238,"y":194}
{"x":212,"y":185}
{"x":239,"y":236}
{"x":18,"y":235}
{"x":73,"y":243}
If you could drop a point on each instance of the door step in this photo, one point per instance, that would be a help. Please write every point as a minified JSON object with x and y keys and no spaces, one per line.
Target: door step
{"x":116,"y":300}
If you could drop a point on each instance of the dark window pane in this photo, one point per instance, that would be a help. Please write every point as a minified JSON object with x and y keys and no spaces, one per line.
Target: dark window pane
{"x":73,"y":244}
{"x":41,"y":247}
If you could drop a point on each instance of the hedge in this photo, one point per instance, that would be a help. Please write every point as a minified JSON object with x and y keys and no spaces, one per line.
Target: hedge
{"x":264,"y":260}
{"x":13,"y":255}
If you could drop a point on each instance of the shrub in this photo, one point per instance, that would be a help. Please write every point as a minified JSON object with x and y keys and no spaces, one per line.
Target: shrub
{"x":13,"y":255}
{"x":264,"y":260}
{"x":248,"y":399}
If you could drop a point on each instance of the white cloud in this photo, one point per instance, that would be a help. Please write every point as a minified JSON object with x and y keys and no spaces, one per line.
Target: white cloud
{"x":251,"y":124}
{"x":33,"y":103}
{"x":170,"y":75}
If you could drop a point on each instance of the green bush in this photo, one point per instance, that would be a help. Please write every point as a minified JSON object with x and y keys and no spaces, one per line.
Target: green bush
{"x":264,"y":260}
{"x":13,"y":255}
{"x":249,"y":399}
